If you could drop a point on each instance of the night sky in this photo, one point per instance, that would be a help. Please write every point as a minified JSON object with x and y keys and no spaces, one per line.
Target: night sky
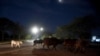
{"x":47,"y":13}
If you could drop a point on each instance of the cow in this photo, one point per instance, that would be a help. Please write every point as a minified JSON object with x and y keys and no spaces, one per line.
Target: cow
{"x":35,"y":42}
{"x":77,"y":45}
{"x":81,"y":45}
{"x":69,"y":43}
{"x":50,"y":42}
{"x":16,"y":43}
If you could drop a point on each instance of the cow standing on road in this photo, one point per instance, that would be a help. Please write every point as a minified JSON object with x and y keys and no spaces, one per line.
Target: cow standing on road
{"x":16,"y":43}
{"x":69,"y":43}
{"x":81,"y":45}
{"x":50,"y":42}
{"x":77,"y":45}
{"x":35,"y":42}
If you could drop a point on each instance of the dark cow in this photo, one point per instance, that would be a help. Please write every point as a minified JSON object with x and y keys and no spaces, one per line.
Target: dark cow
{"x":61,"y":41}
{"x":51,"y":42}
{"x":37,"y":42}
{"x":69,"y":43}
{"x":76,"y":44}
{"x":81,"y":45}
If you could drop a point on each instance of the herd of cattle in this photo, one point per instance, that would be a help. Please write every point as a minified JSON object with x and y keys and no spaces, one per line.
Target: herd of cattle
{"x":73,"y":44}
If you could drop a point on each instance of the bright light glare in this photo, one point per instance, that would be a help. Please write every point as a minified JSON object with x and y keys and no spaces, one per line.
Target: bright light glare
{"x":41,"y":29}
{"x":35,"y":30}
{"x":97,"y":40}
{"x":60,"y":1}
{"x":30,"y":41}
{"x":93,"y":38}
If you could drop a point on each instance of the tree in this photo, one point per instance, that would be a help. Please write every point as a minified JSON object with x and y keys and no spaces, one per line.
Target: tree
{"x":80,"y":27}
{"x":28,"y":36}
{"x":84,"y":25}
{"x":12,"y":27}
{"x":18,"y":30}
{"x":46,"y":35}
{"x":4,"y":25}
{"x":63,"y":32}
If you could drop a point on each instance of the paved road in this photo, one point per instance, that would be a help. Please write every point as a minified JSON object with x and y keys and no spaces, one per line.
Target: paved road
{"x":25,"y":50}
{"x":28,"y":50}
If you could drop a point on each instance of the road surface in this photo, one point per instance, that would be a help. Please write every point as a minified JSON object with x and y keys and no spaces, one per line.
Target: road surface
{"x":28,"y":50}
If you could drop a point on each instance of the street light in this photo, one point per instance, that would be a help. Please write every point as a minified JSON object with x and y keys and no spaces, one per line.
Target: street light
{"x":60,"y":1}
{"x":35,"y":30}
{"x":41,"y":29}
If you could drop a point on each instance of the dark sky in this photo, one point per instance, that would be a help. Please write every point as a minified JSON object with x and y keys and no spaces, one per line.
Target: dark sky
{"x":47,"y":13}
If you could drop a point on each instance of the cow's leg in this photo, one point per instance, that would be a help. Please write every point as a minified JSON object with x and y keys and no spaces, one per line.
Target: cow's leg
{"x":43,"y":45}
{"x":65,"y":46}
{"x":34,"y":44}
{"x":54,"y":47}
{"x":76,"y":49}
{"x":48,"y":47}
{"x":11,"y":45}
{"x":82,"y":49}
{"x":19,"y":45}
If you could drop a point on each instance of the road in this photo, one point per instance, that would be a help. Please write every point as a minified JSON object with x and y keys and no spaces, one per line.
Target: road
{"x":28,"y":50}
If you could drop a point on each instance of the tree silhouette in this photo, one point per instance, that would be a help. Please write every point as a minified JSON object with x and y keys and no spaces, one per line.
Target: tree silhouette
{"x":4,"y":25}
{"x":80,"y":27}
{"x":12,"y":27}
{"x":83,"y":26}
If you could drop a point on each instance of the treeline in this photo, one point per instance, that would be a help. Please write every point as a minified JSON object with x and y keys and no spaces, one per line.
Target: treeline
{"x":80,"y":27}
{"x":10,"y":30}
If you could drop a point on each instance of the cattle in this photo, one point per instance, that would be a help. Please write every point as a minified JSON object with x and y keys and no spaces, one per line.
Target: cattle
{"x":77,"y":45}
{"x":81,"y":45}
{"x":50,"y":42}
{"x":35,"y":42}
{"x":16,"y":43}
{"x":69,"y":43}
